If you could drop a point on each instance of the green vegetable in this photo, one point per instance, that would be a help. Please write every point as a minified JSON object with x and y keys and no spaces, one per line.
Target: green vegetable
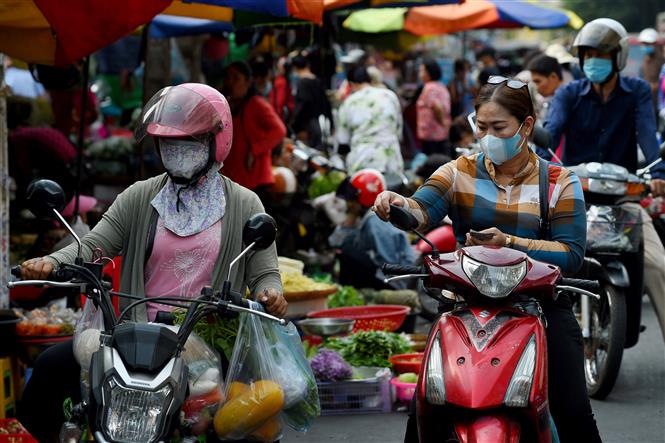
{"x":325,"y":184}
{"x":345,"y":296}
{"x":220,"y":333}
{"x":369,"y":348}
{"x":408,"y":377}
{"x":310,"y":349}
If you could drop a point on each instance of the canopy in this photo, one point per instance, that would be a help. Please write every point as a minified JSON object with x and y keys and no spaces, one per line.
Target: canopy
{"x":64,"y":31}
{"x":361,"y":4}
{"x":310,"y":10}
{"x":473,"y":14}
{"x":164,"y":26}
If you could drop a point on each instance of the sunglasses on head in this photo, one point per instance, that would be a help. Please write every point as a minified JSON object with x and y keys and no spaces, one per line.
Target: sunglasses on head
{"x":512,"y":83}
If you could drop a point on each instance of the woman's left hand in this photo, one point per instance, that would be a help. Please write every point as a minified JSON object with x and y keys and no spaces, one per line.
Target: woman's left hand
{"x":498,"y":239}
{"x":274,"y":302}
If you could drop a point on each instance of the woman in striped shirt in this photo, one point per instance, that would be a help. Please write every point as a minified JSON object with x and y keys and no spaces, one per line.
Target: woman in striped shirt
{"x":497,"y":191}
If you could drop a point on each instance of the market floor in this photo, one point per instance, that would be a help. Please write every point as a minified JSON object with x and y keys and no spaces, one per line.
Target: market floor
{"x":634,"y":412}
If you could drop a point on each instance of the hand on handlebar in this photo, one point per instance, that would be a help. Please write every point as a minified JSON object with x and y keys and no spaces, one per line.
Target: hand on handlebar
{"x":274,"y":302}
{"x":383,"y":202}
{"x":36,"y":269}
{"x":657,"y":187}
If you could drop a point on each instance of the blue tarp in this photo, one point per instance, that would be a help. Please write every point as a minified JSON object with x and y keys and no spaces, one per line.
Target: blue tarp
{"x":163,"y":26}
{"x":531,"y":15}
{"x":277,"y":8}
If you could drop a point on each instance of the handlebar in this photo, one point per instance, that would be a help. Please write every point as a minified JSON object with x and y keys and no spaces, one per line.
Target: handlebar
{"x":587,"y":285}
{"x":389,"y":269}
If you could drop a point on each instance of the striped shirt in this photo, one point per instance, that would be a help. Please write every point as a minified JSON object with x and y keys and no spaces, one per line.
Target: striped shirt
{"x":466,"y":190}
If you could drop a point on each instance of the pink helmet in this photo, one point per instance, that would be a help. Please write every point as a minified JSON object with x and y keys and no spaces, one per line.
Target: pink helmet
{"x":189,"y":110}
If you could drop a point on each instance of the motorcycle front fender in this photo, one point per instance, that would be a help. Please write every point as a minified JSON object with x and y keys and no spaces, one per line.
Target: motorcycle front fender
{"x":489,"y":429}
{"x":614,"y":273}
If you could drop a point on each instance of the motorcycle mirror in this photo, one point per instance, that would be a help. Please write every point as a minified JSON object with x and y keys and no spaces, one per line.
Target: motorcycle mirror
{"x":261,"y":230}
{"x":542,"y":137}
{"x":402,"y":218}
{"x":662,"y":152}
{"x":43,"y":197}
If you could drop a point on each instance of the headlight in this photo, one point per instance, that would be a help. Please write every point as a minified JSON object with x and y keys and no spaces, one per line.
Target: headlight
{"x":435,"y":387}
{"x":517,"y":395}
{"x":493,"y":281}
{"x":132,"y":415}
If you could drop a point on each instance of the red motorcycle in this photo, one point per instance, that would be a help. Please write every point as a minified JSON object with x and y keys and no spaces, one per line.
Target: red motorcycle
{"x":484,"y":373}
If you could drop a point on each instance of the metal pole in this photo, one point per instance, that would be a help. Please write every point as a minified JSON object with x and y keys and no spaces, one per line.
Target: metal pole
{"x":82,"y":125}
{"x":4,"y":192}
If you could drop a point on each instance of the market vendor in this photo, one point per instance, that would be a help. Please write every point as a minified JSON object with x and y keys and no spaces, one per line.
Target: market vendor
{"x":366,"y":242}
{"x":178,"y":232}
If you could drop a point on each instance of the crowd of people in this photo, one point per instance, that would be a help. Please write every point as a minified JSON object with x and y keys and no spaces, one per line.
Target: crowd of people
{"x":478,"y":130}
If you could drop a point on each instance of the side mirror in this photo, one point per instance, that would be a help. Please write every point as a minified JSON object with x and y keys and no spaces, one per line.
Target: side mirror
{"x":261,"y":230}
{"x":542,"y":138}
{"x":662,"y":152}
{"x":402,"y":218}
{"x":43,"y":197}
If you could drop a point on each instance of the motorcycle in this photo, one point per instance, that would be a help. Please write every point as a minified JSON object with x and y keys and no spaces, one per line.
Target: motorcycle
{"x":138,"y":378}
{"x":615,"y":257}
{"x":485,"y":364}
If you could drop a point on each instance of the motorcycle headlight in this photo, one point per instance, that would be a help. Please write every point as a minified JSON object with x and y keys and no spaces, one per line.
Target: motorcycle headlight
{"x":517,"y":395}
{"x":493,"y":281}
{"x":133,"y":415}
{"x":435,"y":387}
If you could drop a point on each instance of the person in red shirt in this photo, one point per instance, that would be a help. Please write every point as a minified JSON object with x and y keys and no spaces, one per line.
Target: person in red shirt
{"x":257,"y":130}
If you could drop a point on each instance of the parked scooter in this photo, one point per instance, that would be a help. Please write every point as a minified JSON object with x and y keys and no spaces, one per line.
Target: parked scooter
{"x":138,"y":378}
{"x":484,"y":372}
{"x":615,"y":257}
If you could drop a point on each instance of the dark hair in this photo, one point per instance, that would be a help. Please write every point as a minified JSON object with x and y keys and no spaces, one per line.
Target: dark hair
{"x":460,"y":65}
{"x":242,"y":67}
{"x":358,"y":75}
{"x":433,"y":69}
{"x":459,"y":127}
{"x":516,"y":101}
{"x":487,"y":51}
{"x":260,"y":67}
{"x":545,"y":65}
{"x":299,"y":62}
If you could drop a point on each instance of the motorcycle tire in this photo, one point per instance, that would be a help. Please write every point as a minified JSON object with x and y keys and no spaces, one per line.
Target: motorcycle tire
{"x":603,"y":350}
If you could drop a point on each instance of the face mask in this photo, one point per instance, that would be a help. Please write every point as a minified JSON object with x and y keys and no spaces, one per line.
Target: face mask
{"x":597,"y":69}
{"x":647,"y":50}
{"x":500,"y":150}
{"x":183,"y":158}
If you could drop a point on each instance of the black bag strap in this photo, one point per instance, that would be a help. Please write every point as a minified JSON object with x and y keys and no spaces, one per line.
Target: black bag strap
{"x":544,"y":228}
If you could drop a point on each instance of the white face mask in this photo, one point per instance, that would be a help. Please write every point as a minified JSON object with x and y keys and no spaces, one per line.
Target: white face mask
{"x":183,"y":158}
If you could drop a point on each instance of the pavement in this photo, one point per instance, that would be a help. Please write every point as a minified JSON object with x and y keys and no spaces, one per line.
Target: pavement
{"x":633,"y":412}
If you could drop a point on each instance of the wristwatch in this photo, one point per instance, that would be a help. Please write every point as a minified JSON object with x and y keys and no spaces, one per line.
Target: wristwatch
{"x":509,"y":241}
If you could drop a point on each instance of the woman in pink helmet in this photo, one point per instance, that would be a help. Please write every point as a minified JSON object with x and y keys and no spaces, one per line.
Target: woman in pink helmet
{"x":177,"y":232}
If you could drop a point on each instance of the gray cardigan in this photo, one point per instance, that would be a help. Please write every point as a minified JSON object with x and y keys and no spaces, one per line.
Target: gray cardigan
{"x":123,"y":230}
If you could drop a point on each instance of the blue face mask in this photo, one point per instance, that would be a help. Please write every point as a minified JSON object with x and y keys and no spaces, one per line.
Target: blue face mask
{"x":500,"y":150}
{"x":647,"y":50}
{"x":597,"y":69}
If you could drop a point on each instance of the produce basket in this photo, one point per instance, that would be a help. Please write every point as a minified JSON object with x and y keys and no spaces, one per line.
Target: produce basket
{"x":368,"y":318}
{"x":364,"y":396}
{"x":15,"y":432}
{"x":403,"y":363}
{"x":403,"y":391}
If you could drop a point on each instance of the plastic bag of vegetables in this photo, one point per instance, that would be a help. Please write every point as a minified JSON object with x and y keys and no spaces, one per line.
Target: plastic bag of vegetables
{"x":205,"y":385}
{"x":268,"y":383}
{"x":86,"y":341}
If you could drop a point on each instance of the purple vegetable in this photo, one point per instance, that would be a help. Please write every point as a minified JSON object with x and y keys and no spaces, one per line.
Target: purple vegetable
{"x":328,"y":365}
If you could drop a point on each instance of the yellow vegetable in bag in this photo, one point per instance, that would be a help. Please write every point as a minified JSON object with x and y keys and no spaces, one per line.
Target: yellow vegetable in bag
{"x":247,"y":412}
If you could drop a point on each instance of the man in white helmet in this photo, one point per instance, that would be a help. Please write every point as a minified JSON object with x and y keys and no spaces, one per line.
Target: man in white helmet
{"x":653,"y":59}
{"x":603,"y":118}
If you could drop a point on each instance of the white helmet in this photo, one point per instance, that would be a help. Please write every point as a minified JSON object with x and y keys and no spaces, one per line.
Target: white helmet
{"x":606,"y":35}
{"x":649,"y":36}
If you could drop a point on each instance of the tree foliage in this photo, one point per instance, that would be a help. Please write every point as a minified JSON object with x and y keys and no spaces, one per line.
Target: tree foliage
{"x":635,"y":15}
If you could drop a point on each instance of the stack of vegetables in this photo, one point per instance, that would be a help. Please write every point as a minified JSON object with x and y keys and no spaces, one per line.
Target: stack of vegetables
{"x":50,"y":321}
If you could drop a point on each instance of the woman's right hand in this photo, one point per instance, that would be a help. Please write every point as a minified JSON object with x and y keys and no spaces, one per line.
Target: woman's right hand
{"x":36,"y":269}
{"x":383,"y":202}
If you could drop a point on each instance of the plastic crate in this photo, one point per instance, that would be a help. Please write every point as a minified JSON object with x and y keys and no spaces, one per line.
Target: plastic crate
{"x":365,"y":396}
{"x":21,"y":436}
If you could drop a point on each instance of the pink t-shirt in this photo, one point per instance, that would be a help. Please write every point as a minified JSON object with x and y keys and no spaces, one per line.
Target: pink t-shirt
{"x":429,"y":128}
{"x":180,"y":266}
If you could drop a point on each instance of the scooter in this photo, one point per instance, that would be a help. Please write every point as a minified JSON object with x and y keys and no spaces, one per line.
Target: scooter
{"x":615,"y":257}
{"x":138,"y":378}
{"x":484,"y":373}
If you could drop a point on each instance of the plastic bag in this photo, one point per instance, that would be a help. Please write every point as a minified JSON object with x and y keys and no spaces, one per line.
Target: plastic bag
{"x":269,"y":382}
{"x":205,"y":384}
{"x":86,"y":342}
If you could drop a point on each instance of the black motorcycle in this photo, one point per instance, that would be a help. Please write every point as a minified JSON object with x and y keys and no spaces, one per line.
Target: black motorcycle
{"x":137,"y":377}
